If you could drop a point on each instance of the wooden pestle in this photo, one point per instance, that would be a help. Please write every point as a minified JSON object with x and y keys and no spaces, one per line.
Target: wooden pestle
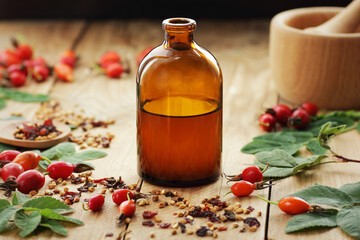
{"x":347,"y":21}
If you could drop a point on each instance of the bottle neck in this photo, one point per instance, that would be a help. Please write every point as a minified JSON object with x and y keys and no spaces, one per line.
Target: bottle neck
{"x":181,"y":40}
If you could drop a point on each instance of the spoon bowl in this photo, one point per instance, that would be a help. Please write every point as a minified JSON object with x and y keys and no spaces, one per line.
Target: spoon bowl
{"x":7,"y":129}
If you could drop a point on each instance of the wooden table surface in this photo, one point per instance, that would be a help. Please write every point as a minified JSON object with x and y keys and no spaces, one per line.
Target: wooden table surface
{"x":241,"y":48}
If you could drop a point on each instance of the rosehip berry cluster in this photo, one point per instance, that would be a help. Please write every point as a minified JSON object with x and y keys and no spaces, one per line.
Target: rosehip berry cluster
{"x":110,"y":64}
{"x":18,"y":65}
{"x":298,"y":118}
{"x":64,"y":69}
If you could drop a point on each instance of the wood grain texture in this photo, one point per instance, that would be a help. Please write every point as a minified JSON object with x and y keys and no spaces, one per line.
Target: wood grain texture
{"x":241,"y":48}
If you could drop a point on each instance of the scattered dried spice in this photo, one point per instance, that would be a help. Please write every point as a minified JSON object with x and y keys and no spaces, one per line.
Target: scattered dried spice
{"x":9,"y":186}
{"x":216,"y":202}
{"x":92,"y":139}
{"x":69,"y":197}
{"x":87,"y":186}
{"x":37,"y":131}
{"x":182,"y":227}
{"x":198,"y":212}
{"x":202,"y":231}
{"x":222,"y":228}
{"x":242,"y":230}
{"x":149,"y":214}
{"x":109,"y":235}
{"x":230,"y":215}
{"x":148,"y":223}
{"x":164,"y":225}
{"x":76,"y":180}
{"x":113,"y":183}
{"x":251,"y":208}
{"x":251,"y":221}
{"x":169,"y":194}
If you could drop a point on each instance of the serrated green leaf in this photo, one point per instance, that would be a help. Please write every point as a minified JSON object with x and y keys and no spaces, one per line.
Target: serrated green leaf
{"x":4,"y":203}
{"x":309,"y":221}
{"x":50,"y":214}
{"x":50,"y":153}
{"x":289,"y":141}
{"x":276,"y":158}
{"x":315,"y":125}
{"x":348,"y":219}
{"x":321,"y":194}
{"x":311,"y":161}
{"x":54,"y":225}
{"x":19,"y":198}
{"x":23,"y":96}
{"x":65,"y":149}
{"x":314,"y":147}
{"x":2,"y":103}
{"x":48,"y":203}
{"x":353,"y":190}
{"x":277,"y":172}
{"x":27,"y":223}
{"x":6,"y":213}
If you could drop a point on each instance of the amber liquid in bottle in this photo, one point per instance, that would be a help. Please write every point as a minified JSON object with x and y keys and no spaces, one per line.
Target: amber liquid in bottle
{"x":179,"y":116}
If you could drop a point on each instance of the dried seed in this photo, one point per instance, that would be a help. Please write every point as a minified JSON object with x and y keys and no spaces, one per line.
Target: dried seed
{"x":247,"y":211}
{"x":222,"y":228}
{"x":239,"y":211}
{"x":52,"y":185}
{"x":180,"y":214}
{"x":235,"y":225}
{"x":127,"y":220}
{"x":163,"y":192}
{"x":209,"y":224}
{"x":183,"y":221}
{"x":215,"y":235}
{"x":239,"y":218}
{"x":111,"y":190}
{"x":48,"y":192}
{"x":157,"y":219}
{"x":253,"y":229}
{"x":171,"y":202}
{"x":190,"y":232}
{"x":259,"y":213}
{"x":63,"y":183}
{"x":162,"y":205}
{"x":182,"y":206}
{"x":152,"y":235}
{"x":103,"y":191}
{"x":175,"y":226}
{"x":66,"y":189}
{"x":91,"y":189}
{"x":142,"y":203}
{"x":56,"y":191}
{"x":155,"y":198}
{"x":173,"y":232}
{"x":67,"y":201}
{"x":32,"y":192}
{"x":59,"y":180}
{"x":77,"y":199}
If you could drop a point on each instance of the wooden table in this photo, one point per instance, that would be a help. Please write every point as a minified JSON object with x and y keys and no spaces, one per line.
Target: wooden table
{"x":241,"y":47}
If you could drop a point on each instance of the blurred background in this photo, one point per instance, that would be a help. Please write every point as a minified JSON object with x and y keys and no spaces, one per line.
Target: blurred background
{"x":104,"y":9}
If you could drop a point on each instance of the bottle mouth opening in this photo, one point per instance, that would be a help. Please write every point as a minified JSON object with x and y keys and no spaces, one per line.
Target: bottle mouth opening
{"x":179,"y":24}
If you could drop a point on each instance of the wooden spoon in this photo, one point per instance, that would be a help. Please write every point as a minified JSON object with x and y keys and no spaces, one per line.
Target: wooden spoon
{"x":7,"y":129}
{"x":346,"y":21}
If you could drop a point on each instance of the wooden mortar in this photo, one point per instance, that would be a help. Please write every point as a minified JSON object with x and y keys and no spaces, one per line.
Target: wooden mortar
{"x":323,"y":68}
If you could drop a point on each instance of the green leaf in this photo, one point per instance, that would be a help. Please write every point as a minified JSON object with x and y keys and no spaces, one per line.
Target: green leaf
{"x":321,"y":194}
{"x":48,"y":213}
{"x":12,"y":118}
{"x":315,"y":125}
{"x":326,"y":132}
{"x":2,"y":103}
{"x":48,"y":203}
{"x":6,"y":213}
{"x":312,"y":160}
{"x":65,"y":149}
{"x":50,"y":153}
{"x":278,"y":172}
{"x":355,"y":115}
{"x":54,"y":225}
{"x":276,"y":158}
{"x":4,"y":203}
{"x":358,"y":127}
{"x":314,"y":147}
{"x":353,"y":190}
{"x":27,"y":223}
{"x":44,"y":164}
{"x":348,"y":219}
{"x":310,"y":221}
{"x":5,"y":147}
{"x":289,"y":141}
{"x":76,"y":161}
{"x":89,"y":155}
{"x":19,"y":198}
{"x":23,"y":96}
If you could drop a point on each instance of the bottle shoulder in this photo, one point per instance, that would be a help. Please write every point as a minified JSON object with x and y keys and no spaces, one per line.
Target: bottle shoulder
{"x":194,"y":57}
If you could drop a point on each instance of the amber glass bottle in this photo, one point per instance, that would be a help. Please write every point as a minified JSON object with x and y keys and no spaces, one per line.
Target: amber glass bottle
{"x":179,"y":110}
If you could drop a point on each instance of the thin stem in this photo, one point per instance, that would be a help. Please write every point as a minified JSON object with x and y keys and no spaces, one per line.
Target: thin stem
{"x":275,"y":203}
{"x":46,"y":159}
{"x":345,"y":159}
